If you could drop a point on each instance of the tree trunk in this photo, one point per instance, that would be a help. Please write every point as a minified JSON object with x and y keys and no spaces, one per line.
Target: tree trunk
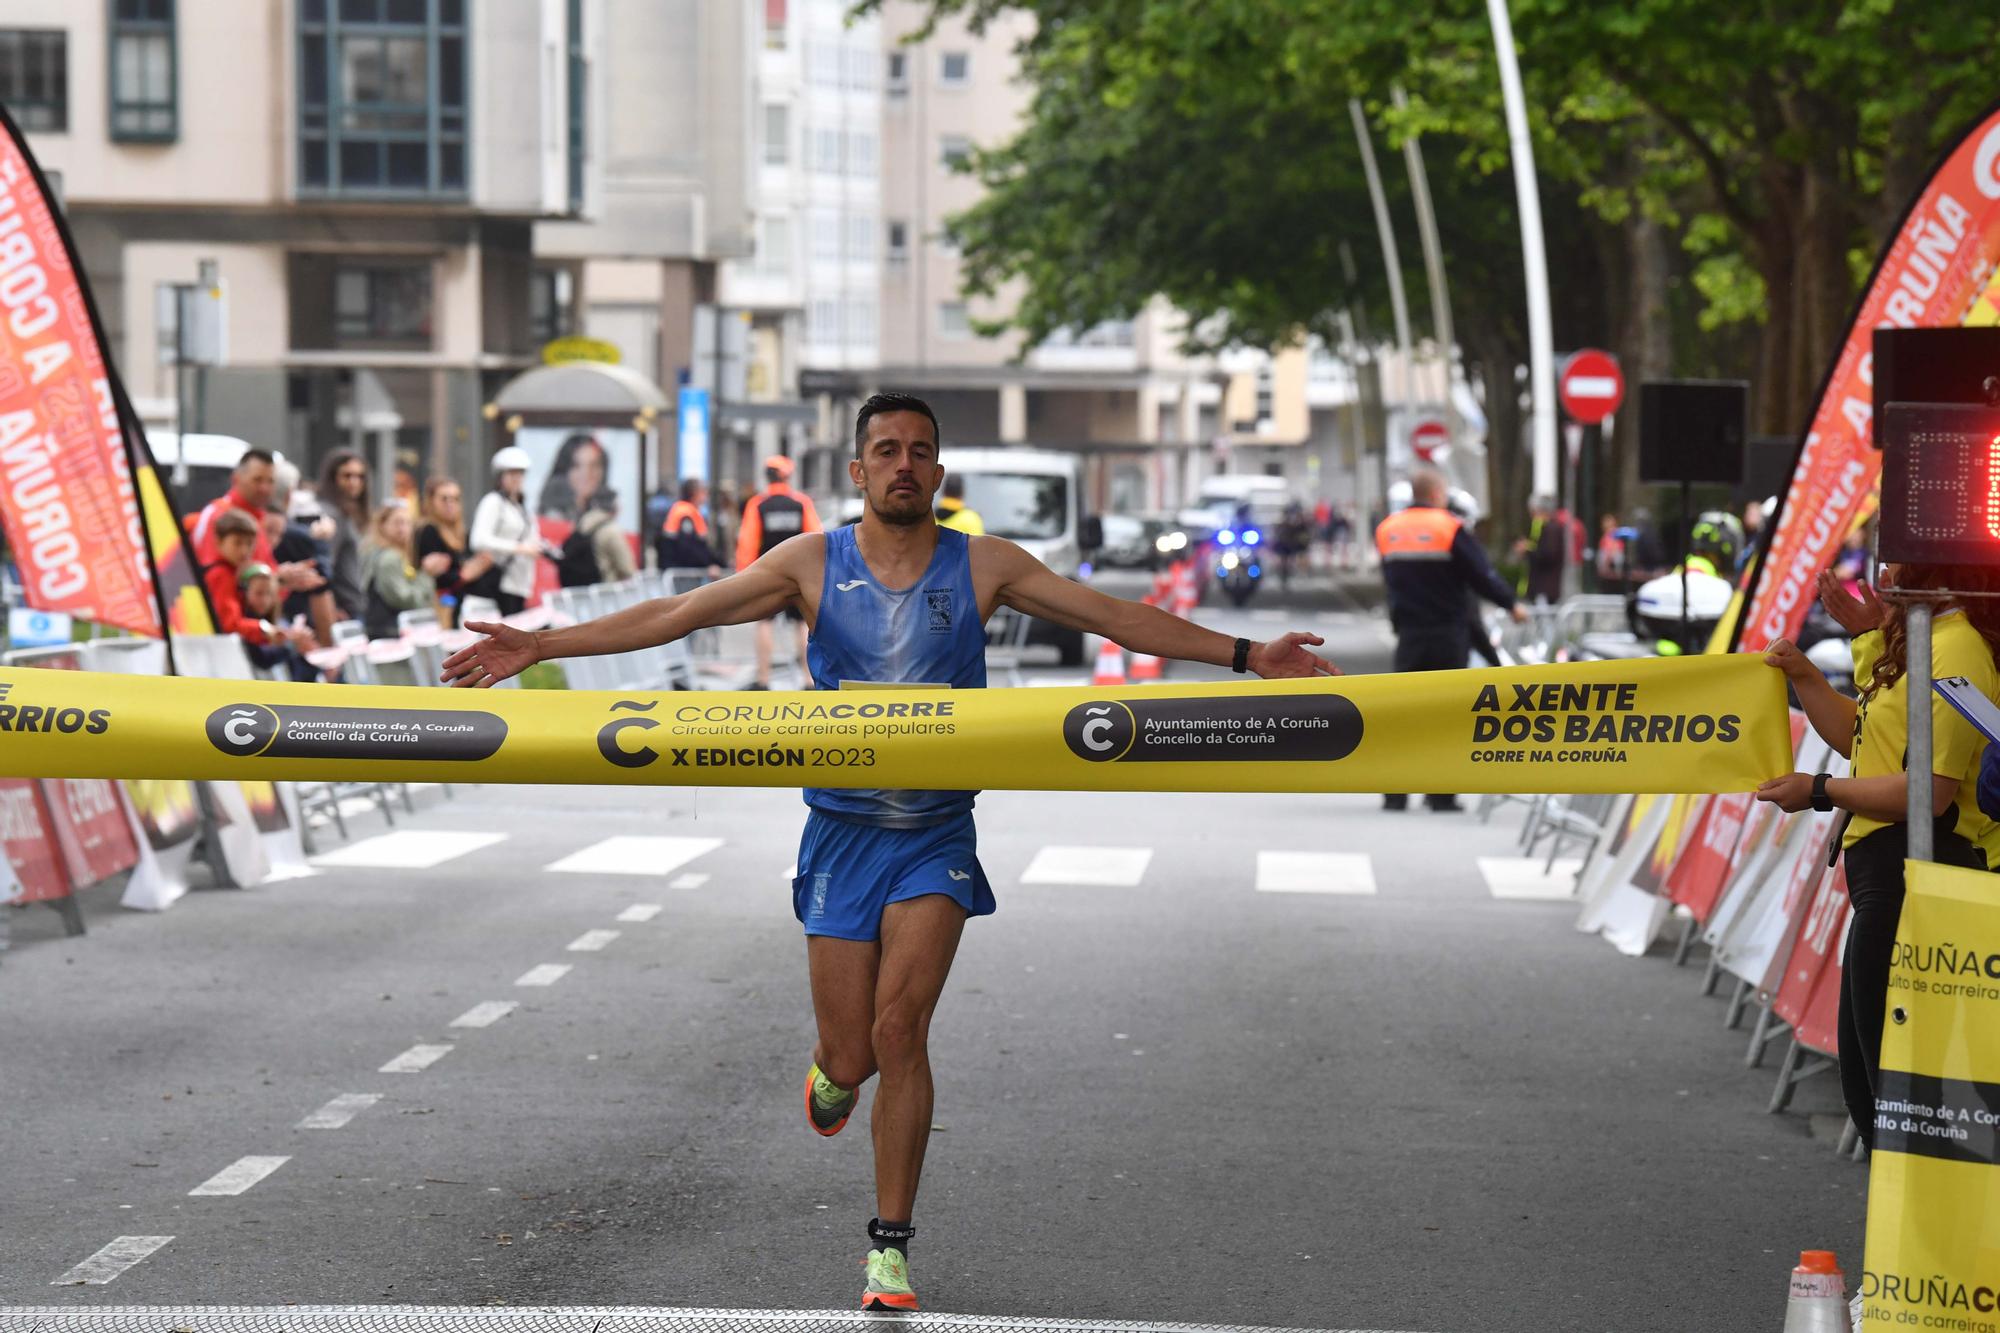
{"x":1507,"y":464}
{"x":1645,"y":347}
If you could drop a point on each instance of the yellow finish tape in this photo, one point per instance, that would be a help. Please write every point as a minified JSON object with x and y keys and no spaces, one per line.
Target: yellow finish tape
{"x":1706,"y":724}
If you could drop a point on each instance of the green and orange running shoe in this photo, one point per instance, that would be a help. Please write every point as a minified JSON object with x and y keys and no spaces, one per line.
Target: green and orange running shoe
{"x":827,"y":1103}
{"x":888,"y":1282}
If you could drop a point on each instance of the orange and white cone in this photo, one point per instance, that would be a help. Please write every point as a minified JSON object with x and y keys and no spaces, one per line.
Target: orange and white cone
{"x":1110,"y":664}
{"x":1185,"y":596}
{"x":1145,"y":666}
{"x":1818,"y":1298}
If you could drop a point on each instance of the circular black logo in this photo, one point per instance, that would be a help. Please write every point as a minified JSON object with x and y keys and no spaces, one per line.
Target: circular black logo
{"x":1100,"y":731}
{"x":242,"y":729}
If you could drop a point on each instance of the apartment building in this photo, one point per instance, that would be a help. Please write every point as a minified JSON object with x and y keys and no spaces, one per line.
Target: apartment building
{"x":361,"y":178}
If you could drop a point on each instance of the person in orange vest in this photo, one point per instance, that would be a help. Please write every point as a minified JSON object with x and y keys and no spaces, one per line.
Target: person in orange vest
{"x":683,"y":542}
{"x":774,"y":515}
{"x":1432,"y":566}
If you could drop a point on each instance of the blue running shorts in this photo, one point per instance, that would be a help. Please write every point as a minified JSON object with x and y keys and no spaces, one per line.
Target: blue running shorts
{"x":849,"y":872}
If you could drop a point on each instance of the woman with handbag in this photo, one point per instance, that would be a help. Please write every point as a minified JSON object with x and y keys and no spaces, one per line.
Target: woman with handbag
{"x":503,"y":531}
{"x":441,"y":548}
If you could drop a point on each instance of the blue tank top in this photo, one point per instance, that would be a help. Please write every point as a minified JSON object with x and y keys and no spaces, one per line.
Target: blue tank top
{"x":927,"y":633}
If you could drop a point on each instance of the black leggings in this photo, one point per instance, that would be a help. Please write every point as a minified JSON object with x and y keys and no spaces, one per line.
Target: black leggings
{"x":1875,"y":888}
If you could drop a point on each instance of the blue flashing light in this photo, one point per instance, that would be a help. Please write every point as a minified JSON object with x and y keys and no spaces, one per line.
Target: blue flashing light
{"x":1256,"y":571}
{"x":1251,"y":536}
{"x":1226,"y":537}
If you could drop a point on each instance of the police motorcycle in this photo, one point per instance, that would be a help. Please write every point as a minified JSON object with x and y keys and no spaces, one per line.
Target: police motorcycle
{"x":1678,"y":612}
{"x":1239,"y":558}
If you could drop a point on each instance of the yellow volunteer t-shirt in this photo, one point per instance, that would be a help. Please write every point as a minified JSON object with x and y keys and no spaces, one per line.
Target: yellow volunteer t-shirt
{"x":1882,"y":726}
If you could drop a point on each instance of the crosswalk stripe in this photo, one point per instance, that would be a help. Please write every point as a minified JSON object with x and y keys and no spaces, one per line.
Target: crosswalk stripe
{"x":1521,"y":878}
{"x":543,"y":974}
{"x":592,"y":941}
{"x":409,"y":849}
{"x":336,"y":1113}
{"x":628,"y":855}
{"x":415,"y":1060}
{"x":1113,"y":867}
{"x":640,"y":912}
{"x":112,"y":1260}
{"x":1347,"y":873}
{"x":688,"y":882}
{"x":485,"y":1014}
{"x":238,"y":1176}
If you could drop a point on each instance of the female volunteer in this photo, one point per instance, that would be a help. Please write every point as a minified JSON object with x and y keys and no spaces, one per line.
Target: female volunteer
{"x":1873,"y":733}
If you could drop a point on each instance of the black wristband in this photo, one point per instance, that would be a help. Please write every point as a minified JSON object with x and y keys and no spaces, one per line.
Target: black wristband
{"x":1820,"y":800}
{"x":1242,"y":662}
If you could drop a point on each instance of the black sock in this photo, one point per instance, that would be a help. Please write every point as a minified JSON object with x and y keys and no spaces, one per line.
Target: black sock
{"x":890,"y":1235}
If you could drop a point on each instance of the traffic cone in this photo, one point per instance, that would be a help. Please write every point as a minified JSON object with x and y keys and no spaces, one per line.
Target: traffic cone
{"x":1145,"y":666}
{"x":1185,"y":596}
{"x":1818,"y":1300}
{"x":1110,"y":664}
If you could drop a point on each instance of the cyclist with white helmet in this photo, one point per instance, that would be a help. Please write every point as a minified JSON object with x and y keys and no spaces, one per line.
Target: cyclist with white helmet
{"x":503,"y":529}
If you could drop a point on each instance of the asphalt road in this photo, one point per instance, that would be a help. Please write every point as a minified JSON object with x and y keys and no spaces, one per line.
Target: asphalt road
{"x":1165,"y":1096}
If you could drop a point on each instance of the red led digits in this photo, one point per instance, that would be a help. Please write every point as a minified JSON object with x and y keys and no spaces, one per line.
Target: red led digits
{"x":1993,"y":487}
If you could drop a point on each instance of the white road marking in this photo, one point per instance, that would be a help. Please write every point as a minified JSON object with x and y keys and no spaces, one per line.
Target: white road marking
{"x":592,"y":941}
{"x":415,"y":1060}
{"x":485,"y":1014}
{"x":1348,"y":873}
{"x":1115,"y":867}
{"x":112,"y":1260}
{"x":1520,"y":878}
{"x":340,"y":1110}
{"x":694,"y":881}
{"x":409,"y":849}
{"x":635,"y":856}
{"x":543,"y":974}
{"x":238,"y":1176}
{"x":638,"y":912}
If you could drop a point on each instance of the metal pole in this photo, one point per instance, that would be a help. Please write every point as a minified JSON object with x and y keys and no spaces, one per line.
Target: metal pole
{"x":1427,"y":231}
{"x":1398,"y":306}
{"x":1534,"y":255}
{"x":1917,"y":693}
{"x":180,"y":389}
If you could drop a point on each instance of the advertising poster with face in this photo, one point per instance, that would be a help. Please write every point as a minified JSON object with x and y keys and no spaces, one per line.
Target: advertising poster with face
{"x":575,"y":472}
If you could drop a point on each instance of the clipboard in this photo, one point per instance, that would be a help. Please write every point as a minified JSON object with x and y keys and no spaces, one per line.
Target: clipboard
{"x":1971,"y":703}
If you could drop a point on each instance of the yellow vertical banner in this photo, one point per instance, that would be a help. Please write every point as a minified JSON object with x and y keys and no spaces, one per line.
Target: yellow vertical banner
{"x":1933,"y":1256}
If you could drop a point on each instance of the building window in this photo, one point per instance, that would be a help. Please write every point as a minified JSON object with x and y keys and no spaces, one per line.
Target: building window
{"x":34,"y":77}
{"x":861,"y":319}
{"x":551,"y":304}
{"x":823,"y":60}
{"x":383,"y":95}
{"x":579,"y":106}
{"x":861,"y":237}
{"x":861,"y":153}
{"x":954,"y":320}
{"x":826,"y":234}
{"x":954,"y":69}
{"x":823,"y":320}
{"x":860,"y":62}
{"x":774,"y":25}
{"x":826,"y":151}
{"x":896,"y":245}
{"x":384,"y":306}
{"x":144,"y":105}
{"x":897,"y":81}
{"x":774,"y":245}
{"x":777,"y":134}
{"x":955,"y":151}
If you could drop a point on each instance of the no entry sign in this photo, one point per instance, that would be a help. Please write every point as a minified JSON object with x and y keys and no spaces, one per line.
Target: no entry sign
{"x":1590,"y":386}
{"x":1428,"y":438}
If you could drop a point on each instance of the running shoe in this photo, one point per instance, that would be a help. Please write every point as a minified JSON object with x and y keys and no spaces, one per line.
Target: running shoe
{"x":888,"y":1282}
{"x":827,"y":1103}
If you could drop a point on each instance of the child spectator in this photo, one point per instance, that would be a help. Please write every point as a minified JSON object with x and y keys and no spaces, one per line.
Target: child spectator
{"x":393,"y":585}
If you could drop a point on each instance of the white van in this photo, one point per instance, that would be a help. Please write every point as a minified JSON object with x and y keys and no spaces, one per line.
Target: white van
{"x":1219,"y":497}
{"x":1033,"y":497}
{"x":210,"y":460}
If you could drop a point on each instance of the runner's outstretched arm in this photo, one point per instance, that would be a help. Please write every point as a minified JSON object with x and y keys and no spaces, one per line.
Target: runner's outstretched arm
{"x":759,"y":592}
{"x":1029,"y":586}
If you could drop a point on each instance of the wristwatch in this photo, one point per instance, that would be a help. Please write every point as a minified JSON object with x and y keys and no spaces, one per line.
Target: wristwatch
{"x":1821,"y":801}
{"x":1242,"y":662}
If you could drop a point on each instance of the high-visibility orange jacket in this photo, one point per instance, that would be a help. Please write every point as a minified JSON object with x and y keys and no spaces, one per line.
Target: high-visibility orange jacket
{"x":773,"y":514}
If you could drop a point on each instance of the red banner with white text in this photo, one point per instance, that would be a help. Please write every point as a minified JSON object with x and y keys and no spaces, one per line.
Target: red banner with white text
{"x":1935,"y":273}
{"x":29,"y":843}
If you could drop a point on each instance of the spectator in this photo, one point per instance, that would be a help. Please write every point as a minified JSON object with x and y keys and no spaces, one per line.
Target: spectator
{"x":502,"y":530}
{"x":441,"y":547}
{"x":343,"y":496}
{"x":235,"y":536}
{"x":1611,"y":556}
{"x":684,"y":540}
{"x":298,"y":534}
{"x":954,"y":513}
{"x":393,"y":584}
{"x":1294,"y":541}
{"x":596,"y":551}
{"x":1544,"y":549}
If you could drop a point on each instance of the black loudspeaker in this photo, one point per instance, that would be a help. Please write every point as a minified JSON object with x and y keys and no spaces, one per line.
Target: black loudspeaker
{"x":1767,"y":468}
{"x":1693,"y":430}
{"x":1936,"y":366}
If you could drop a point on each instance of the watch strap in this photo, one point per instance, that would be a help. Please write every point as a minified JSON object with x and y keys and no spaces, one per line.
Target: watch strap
{"x":1820,"y":800}
{"x":1242,"y":662}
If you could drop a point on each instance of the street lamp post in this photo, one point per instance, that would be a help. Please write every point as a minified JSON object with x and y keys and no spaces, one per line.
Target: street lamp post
{"x":1534,"y":255}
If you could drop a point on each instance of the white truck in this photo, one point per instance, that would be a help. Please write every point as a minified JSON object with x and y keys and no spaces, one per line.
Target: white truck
{"x":1034,"y":497}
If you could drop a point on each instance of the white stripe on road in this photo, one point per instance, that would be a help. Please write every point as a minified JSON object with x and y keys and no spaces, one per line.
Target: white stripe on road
{"x":1349,"y":873}
{"x":591,"y":941}
{"x":543,"y":974}
{"x":636,"y":856}
{"x":112,"y":1260}
{"x":639,"y":912}
{"x":415,"y":1060}
{"x":340,"y":1110}
{"x":1520,"y":878}
{"x":485,"y":1014}
{"x":238,"y":1176}
{"x":689,"y":882}
{"x":1115,"y":867}
{"x":409,"y":849}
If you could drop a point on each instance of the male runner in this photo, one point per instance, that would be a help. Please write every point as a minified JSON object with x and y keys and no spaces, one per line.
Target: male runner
{"x":886,"y":879}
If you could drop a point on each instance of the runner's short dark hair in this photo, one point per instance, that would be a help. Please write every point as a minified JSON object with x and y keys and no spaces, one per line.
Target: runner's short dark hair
{"x":891,"y":402}
{"x":257,"y":456}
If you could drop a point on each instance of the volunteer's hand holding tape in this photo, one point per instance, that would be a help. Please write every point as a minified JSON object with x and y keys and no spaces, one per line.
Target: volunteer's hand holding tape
{"x":1705,"y":724}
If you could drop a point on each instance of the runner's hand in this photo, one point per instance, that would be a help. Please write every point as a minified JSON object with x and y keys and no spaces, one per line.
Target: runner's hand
{"x":1785,"y":655}
{"x":1790,"y":793}
{"x":505,"y":652}
{"x":1287,"y":657}
{"x":1856,"y":615}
